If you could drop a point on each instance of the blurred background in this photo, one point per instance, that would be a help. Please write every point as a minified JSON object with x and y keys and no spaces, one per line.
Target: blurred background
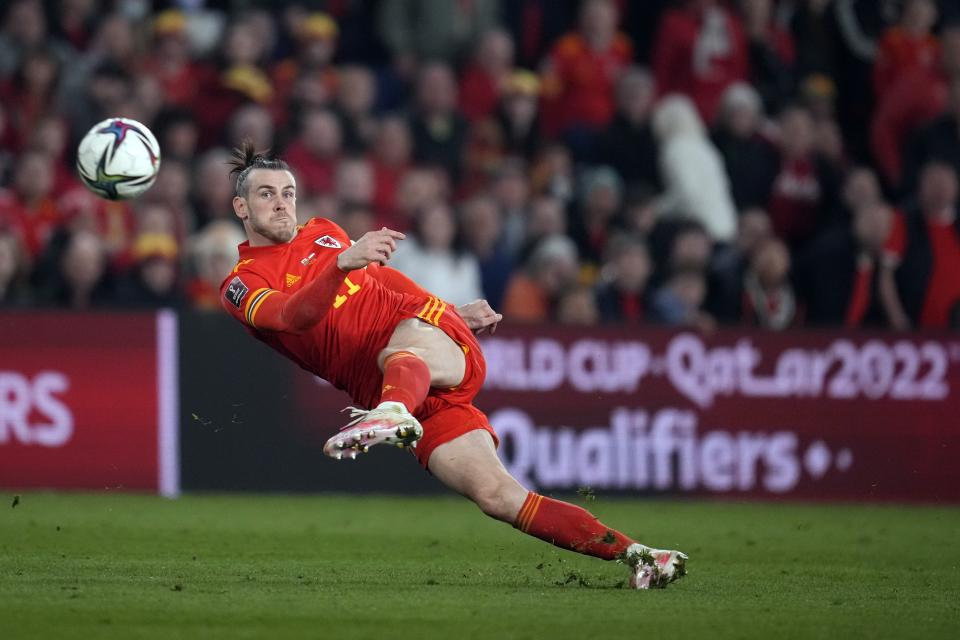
{"x":687,"y":163}
{"x":607,"y":172}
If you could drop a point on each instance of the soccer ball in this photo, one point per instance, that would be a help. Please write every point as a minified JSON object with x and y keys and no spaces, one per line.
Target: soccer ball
{"x":118,"y":159}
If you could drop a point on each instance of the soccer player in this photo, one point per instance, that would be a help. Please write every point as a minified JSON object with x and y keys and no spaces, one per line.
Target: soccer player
{"x":409,"y":359}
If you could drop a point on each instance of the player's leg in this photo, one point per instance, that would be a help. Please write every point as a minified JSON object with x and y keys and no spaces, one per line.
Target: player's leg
{"x":442,"y":356}
{"x":470,"y":466}
{"x":418,"y":356}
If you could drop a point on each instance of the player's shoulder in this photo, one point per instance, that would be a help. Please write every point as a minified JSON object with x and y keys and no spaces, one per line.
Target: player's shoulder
{"x":247,"y":264}
{"x":324,"y":232}
{"x":244,"y":276}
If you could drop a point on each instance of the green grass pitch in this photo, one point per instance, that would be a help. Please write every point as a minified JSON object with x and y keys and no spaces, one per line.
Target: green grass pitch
{"x":122,"y":566}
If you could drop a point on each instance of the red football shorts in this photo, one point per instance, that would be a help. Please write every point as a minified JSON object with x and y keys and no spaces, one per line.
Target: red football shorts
{"x":449,"y":413}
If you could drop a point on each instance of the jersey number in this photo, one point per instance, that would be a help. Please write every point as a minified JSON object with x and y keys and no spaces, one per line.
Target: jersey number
{"x":351,"y":289}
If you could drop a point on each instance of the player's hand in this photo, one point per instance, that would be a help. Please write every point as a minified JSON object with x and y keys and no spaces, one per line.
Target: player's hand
{"x":373,"y":246}
{"x":480,"y":316}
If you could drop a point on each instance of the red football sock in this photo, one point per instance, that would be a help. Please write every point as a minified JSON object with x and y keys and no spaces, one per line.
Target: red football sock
{"x":570,"y":527}
{"x":406,"y":379}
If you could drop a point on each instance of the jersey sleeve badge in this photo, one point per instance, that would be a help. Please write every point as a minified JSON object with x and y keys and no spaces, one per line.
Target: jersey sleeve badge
{"x":236,"y":291}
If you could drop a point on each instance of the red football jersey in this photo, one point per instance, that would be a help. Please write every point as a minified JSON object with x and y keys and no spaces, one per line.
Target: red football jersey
{"x":343,"y":347}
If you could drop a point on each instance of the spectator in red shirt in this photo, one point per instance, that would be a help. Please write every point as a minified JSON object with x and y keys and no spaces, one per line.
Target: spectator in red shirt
{"x":803,"y":188}
{"x":700,"y":50}
{"x":315,"y":152}
{"x":915,"y":99}
{"x":581,"y":73}
{"x":239,"y":79}
{"x":487,"y":75}
{"x":909,"y":47}
{"x":29,"y":207}
{"x":924,"y":249}
{"x":170,"y":60}
{"x":316,"y":41}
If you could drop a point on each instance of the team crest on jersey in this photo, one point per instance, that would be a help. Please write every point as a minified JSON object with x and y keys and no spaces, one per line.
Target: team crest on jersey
{"x":236,"y":291}
{"x":328,"y":242}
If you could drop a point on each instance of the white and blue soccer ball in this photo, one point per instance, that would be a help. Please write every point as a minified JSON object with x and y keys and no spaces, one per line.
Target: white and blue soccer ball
{"x":118,"y":159}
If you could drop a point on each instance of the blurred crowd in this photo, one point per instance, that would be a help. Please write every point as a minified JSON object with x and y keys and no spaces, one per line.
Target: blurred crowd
{"x":767,"y":163}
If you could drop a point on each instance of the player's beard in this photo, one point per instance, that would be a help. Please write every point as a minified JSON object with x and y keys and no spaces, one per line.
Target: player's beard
{"x":275,"y":233}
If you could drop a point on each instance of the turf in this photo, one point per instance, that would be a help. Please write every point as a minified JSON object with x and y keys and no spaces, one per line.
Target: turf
{"x":121,"y":566}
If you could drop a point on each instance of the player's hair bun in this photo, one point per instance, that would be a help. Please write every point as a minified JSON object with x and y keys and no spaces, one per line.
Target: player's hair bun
{"x":245,"y":158}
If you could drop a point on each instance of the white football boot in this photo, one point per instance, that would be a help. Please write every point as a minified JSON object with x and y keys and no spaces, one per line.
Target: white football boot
{"x":654,"y":568}
{"x":389,"y":423}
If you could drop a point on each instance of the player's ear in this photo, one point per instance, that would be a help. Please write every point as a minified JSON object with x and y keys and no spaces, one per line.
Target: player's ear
{"x":240,"y":207}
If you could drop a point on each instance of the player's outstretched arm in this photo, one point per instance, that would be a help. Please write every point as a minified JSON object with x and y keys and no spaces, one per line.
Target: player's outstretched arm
{"x":295,"y":313}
